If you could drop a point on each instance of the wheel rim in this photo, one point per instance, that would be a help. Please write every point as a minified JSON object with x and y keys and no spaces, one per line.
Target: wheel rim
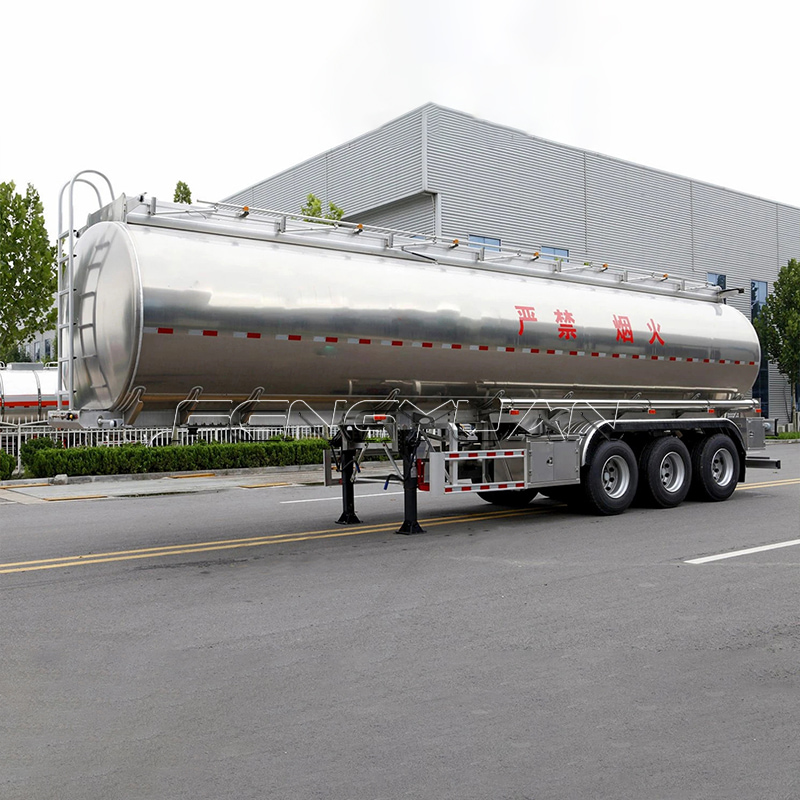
{"x":672,"y":472}
{"x":616,"y":476}
{"x":722,"y":467}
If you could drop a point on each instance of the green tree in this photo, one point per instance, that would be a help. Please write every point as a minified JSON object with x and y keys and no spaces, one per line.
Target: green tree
{"x":778,"y":326}
{"x":183,"y":194}
{"x":313,"y":209}
{"x":27,"y":270}
{"x":15,"y":354}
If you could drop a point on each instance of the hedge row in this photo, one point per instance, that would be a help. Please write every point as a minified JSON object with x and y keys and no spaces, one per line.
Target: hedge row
{"x":131,"y":459}
{"x":7,"y":465}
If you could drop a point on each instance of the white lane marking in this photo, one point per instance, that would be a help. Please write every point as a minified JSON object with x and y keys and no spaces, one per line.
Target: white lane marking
{"x":338,"y":498}
{"x":746,"y":552}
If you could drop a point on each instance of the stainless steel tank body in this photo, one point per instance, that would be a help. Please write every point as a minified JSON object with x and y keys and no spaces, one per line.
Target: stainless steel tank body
{"x":168,"y":309}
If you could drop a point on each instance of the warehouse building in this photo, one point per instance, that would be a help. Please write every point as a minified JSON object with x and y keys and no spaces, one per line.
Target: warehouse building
{"x":442,"y":172}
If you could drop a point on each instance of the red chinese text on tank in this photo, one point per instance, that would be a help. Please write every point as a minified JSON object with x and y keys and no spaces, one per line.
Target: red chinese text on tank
{"x":566,"y":324}
{"x":655,"y":329}
{"x":624,"y":329}
{"x":526,"y":314}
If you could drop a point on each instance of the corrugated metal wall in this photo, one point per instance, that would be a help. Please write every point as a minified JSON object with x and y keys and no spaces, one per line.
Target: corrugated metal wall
{"x":287,"y":191}
{"x":735,"y":235}
{"x":788,"y":233}
{"x":382,"y":167}
{"x":378,"y":168}
{"x":416,"y":213}
{"x":498,"y":182}
{"x":638,"y":217}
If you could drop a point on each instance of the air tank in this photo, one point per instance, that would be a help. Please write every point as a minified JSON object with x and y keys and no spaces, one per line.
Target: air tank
{"x":323,"y":315}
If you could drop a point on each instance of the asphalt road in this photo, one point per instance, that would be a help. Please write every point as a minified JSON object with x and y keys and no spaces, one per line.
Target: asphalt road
{"x":211,"y":641}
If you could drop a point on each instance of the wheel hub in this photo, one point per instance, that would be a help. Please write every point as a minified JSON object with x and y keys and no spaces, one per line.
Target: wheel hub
{"x":616,"y":476}
{"x":672,"y":472}
{"x":722,"y":467}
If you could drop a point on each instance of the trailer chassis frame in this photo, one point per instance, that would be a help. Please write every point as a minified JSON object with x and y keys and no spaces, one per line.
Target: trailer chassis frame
{"x":538,"y":443}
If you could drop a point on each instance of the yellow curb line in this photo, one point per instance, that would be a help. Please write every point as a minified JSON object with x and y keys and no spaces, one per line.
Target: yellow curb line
{"x":79,"y":497}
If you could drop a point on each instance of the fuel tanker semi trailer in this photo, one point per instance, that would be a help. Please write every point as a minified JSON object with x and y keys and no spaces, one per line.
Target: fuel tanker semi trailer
{"x":489,"y":371}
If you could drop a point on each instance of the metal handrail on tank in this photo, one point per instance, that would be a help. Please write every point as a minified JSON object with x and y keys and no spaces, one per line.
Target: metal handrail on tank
{"x":65,"y":267}
{"x":625,"y":274}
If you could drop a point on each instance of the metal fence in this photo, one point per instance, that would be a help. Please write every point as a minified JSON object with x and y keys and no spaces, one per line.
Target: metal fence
{"x":14,"y":435}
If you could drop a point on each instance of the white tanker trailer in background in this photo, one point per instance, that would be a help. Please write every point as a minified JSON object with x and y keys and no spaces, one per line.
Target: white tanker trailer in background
{"x":498,"y":373}
{"x":27,"y":392}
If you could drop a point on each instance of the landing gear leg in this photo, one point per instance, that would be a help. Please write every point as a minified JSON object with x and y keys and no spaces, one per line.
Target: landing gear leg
{"x":348,"y":466}
{"x":407,"y":443}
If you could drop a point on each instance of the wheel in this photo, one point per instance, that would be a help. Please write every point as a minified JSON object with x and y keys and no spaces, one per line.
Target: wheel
{"x":715,"y":468}
{"x":665,"y":473}
{"x":609,"y":479}
{"x":511,"y":498}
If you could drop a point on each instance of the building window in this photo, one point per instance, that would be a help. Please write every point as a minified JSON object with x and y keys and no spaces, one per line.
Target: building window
{"x":48,"y":348}
{"x":488,"y":242}
{"x":758,"y":296}
{"x":555,"y":253}
{"x":717,"y":279}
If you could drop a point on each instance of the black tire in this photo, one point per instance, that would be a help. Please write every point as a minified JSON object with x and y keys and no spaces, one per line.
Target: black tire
{"x":510,"y":498}
{"x":665,"y":473}
{"x":715,"y":468}
{"x":609,"y":479}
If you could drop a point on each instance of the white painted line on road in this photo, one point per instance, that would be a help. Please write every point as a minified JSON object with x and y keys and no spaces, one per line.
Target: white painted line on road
{"x":746,"y":552}
{"x":338,"y":498}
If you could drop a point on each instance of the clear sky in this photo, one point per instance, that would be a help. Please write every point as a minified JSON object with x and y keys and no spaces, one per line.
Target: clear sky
{"x":224,"y":94}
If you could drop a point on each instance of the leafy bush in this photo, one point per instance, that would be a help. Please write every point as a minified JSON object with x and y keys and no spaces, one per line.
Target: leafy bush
{"x":133,"y":459}
{"x":32,"y":446}
{"x":7,"y":465}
